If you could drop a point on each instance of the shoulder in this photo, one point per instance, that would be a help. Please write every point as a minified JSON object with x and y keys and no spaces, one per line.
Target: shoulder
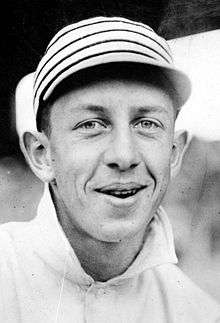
{"x":14,"y":238}
{"x":12,"y":229}
{"x":187,"y":296}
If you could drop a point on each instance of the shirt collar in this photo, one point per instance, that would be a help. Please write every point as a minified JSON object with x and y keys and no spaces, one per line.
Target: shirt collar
{"x":55,"y":249}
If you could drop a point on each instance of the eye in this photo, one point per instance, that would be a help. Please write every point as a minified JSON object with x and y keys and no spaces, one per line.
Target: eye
{"x":90,"y":126}
{"x":147,"y":125}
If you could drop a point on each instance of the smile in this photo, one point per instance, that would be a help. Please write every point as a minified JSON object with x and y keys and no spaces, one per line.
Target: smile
{"x":121,"y":191}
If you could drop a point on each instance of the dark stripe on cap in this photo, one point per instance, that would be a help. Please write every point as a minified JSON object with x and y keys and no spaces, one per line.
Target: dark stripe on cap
{"x":95,"y":23}
{"x":85,"y":58}
{"x":92,"y":45}
{"x":105,"y":31}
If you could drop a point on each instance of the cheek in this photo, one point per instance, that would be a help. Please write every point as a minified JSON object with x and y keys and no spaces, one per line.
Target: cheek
{"x":75,"y":164}
{"x":157,"y":159}
{"x":164,"y":170}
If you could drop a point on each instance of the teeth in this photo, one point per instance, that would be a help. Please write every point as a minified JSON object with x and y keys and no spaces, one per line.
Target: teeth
{"x":122,"y":193}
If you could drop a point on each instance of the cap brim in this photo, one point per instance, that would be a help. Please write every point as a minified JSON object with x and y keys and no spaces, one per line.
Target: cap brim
{"x":179,"y":80}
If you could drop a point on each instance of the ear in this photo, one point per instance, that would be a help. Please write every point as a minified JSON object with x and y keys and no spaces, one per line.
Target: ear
{"x":180,"y":144}
{"x":38,"y":155}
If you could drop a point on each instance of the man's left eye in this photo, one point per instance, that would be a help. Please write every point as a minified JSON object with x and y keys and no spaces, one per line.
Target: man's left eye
{"x":147,"y":125}
{"x":90,"y":125}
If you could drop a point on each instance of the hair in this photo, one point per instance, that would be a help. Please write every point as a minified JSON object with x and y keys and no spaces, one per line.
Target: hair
{"x":110,"y":71}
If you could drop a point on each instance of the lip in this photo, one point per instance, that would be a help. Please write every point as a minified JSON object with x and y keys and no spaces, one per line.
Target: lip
{"x":121,"y":194}
{"x":128,"y":202}
{"x":120,"y":186}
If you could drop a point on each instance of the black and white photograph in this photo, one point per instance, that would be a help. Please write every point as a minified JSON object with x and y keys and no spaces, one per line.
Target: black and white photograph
{"x":110,"y":161}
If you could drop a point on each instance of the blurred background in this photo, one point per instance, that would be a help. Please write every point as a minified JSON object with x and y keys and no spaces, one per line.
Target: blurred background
{"x":193,"y":30}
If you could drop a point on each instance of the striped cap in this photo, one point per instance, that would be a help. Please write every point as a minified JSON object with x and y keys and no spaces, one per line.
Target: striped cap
{"x":102,"y":40}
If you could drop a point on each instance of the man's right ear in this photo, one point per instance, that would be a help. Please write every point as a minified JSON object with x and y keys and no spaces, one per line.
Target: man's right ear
{"x":38,"y":155}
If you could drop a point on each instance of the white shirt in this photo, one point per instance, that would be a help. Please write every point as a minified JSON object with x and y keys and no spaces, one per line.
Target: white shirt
{"x":41,"y":280}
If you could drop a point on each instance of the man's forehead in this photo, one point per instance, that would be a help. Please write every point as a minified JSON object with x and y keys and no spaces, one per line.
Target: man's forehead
{"x":108,"y":96}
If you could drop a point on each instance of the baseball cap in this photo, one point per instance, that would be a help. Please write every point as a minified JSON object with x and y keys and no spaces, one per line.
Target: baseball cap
{"x":102,"y":40}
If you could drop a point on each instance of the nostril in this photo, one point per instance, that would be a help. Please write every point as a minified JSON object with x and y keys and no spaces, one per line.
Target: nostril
{"x":113,"y":165}
{"x":133,"y":166}
{"x":122,"y":167}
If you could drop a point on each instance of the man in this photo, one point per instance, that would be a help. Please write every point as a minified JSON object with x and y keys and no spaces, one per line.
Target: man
{"x":106,"y":96}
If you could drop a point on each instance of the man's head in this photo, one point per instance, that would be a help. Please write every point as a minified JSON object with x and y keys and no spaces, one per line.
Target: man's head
{"x":106,"y":142}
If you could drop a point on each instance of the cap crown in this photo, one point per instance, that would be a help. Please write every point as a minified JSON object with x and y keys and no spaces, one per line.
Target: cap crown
{"x":98,"y":41}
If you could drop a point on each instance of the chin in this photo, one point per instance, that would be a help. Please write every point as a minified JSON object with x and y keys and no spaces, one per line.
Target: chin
{"x":121,"y":230}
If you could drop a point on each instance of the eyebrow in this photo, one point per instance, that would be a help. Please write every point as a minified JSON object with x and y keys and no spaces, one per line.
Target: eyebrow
{"x":141,"y":110}
{"x":148,"y":109}
{"x":95,"y":109}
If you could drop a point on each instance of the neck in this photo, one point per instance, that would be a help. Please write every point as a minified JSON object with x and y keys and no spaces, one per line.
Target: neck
{"x":101,"y":260}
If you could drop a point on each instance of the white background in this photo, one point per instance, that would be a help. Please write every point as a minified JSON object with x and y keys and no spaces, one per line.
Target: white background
{"x":199,"y":56}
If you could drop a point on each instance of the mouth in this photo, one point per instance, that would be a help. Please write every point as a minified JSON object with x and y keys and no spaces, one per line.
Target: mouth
{"x":121,"y":191}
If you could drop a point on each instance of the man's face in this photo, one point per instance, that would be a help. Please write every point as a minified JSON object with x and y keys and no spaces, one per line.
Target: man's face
{"x":110,"y":149}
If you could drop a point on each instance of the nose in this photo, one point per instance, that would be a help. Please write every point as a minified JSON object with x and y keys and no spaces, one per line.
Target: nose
{"x":122,"y":153}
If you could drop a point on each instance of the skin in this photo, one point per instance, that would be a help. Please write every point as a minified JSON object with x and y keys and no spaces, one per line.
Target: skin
{"x":111,"y":133}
